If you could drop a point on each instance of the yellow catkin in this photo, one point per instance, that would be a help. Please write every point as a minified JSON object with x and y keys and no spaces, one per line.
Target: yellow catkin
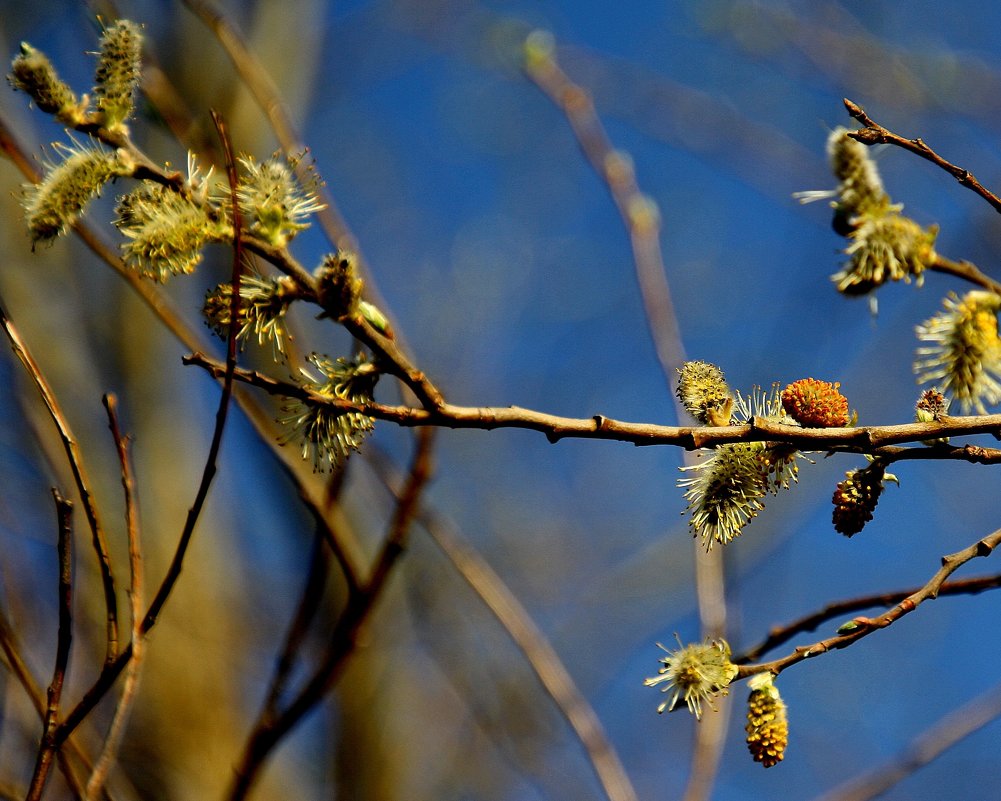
{"x":767,"y":724}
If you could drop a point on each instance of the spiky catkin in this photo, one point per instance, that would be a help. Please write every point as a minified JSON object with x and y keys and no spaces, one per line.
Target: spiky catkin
{"x":962,"y":350}
{"x":696,"y":673}
{"x":816,"y":404}
{"x":274,"y":201}
{"x":264,"y":302}
{"x":165,"y":231}
{"x":338,"y":284}
{"x":860,"y":189}
{"x":325,"y":433}
{"x":119,"y":69}
{"x":33,"y":73}
{"x":855,"y":499}
{"x":53,"y":205}
{"x":703,"y":392}
{"x":767,"y":722}
{"x":885,"y":247}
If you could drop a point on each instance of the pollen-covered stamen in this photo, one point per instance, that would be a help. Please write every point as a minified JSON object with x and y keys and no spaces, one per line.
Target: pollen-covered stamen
{"x":767,"y":721}
{"x":816,"y":404}
{"x":696,"y":673}
{"x":328,"y":434}
{"x":703,"y":392}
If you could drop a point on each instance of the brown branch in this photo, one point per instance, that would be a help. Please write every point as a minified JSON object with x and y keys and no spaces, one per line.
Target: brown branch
{"x":866,"y":626}
{"x":780,"y":635}
{"x":36,"y":695}
{"x":75,"y":459}
{"x":526,"y":635}
{"x":48,"y":744}
{"x":967,"y":271}
{"x":638,"y":211}
{"x":875,"y":440}
{"x":875,"y":134}
{"x":269,"y":731}
{"x":208,"y":474}
{"x":130,"y":685}
{"x":926,"y":747}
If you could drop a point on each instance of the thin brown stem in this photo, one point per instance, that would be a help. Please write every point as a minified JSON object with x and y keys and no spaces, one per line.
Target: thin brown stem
{"x":875,"y":134}
{"x":863,"y":627}
{"x":526,"y":635}
{"x":75,"y":459}
{"x":926,"y":747}
{"x":269,"y":731}
{"x":48,"y":744}
{"x":779,"y":635}
{"x":130,"y":684}
{"x":877,"y":440}
{"x":967,"y":271}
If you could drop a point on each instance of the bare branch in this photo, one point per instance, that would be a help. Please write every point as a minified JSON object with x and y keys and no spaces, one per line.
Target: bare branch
{"x":924,"y":748}
{"x":48,"y":745}
{"x":526,"y":635}
{"x":83,"y":484}
{"x":874,"y":440}
{"x":866,"y":626}
{"x":269,"y":730}
{"x":875,"y":134}
{"x":130,"y":684}
{"x":833,"y":611}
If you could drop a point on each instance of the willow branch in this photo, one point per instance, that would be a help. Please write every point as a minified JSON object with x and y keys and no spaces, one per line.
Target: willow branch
{"x":876,"y":440}
{"x":926,"y":747}
{"x":48,"y":744}
{"x":641,"y":217}
{"x":875,"y":134}
{"x":526,"y":635}
{"x":866,"y":626}
{"x":130,"y":684}
{"x":967,"y":271}
{"x":36,"y":695}
{"x":638,"y":211}
{"x":75,"y":459}
{"x":270,"y":730}
{"x":779,"y":635}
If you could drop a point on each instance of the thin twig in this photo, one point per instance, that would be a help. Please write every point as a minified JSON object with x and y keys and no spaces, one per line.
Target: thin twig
{"x":863,"y":627}
{"x":36,"y":695}
{"x":80,"y":477}
{"x":780,"y":635}
{"x":526,"y":635}
{"x":965,"y":270}
{"x":638,"y":211}
{"x":269,"y":731}
{"x":877,"y":440}
{"x":130,"y":684}
{"x":309,"y":603}
{"x":875,"y":134}
{"x":641,"y":218}
{"x":926,"y":747}
{"x":271,"y":102}
{"x":48,"y":745}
